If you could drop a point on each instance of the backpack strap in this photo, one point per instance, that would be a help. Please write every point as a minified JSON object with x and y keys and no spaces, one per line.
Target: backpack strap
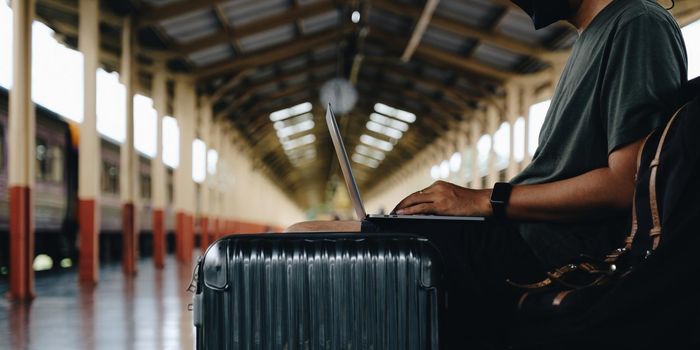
{"x":655,"y":232}
{"x":635,"y":221}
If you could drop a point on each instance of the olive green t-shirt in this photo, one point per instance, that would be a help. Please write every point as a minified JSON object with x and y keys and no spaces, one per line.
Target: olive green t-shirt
{"x":619,"y":84}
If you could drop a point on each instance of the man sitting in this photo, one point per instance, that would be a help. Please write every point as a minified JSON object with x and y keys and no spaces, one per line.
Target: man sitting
{"x":574,"y":198}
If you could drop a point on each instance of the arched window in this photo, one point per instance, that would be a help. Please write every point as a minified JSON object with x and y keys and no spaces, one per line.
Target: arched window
{"x":483,"y":147}
{"x":537,"y":113}
{"x":501,"y":145}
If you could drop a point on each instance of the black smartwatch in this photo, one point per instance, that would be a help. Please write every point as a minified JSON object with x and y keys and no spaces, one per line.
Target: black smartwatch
{"x":499,"y":199}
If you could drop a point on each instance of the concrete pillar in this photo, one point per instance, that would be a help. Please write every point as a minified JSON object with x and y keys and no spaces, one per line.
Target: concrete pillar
{"x":21,"y":145}
{"x":461,"y":148}
{"x":159,"y":181}
{"x":205,"y":116}
{"x":128,"y":184}
{"x":214,"y":208}
{"x":88,"y":173}
{"x":474,"y":135}
{"x":512,"y":111}
{"x":491,"y":127}
{"x":526,"y":101}
{"x":185,"y":110}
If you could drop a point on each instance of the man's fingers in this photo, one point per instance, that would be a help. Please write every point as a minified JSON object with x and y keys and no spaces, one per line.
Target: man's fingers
{"x":413,"y":200}
{"x":421,"y":208}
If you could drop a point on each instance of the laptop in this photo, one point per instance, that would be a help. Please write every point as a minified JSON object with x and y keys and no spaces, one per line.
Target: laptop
{"x":353,"y":190}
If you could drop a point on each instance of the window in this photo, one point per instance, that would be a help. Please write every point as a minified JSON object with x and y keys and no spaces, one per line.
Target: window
{"x":691,"y":34}
{"x":171,"y":142}
{"x":145,"y":185}
{"x":455,"y":162}
{"x":519,"y":139}
{"x":199,"y":161}
{"x":501,"y":146}
{"x":537,"y":113}
{"x":57,"y":164}
{"x":483,"y":148}
{"x":43,"y":161}
{"x":468,"y":161}
{"x":110,"y":178}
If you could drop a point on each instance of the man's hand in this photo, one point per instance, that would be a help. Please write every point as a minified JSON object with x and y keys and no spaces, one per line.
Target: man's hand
{"x":443,"y":198}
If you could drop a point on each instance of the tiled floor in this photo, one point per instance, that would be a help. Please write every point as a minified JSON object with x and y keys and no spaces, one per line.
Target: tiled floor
{"x":148,"y":311}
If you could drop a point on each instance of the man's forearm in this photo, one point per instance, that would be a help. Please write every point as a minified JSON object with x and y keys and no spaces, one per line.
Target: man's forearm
{"x":599,"y":193}
{"x":593,"y":195}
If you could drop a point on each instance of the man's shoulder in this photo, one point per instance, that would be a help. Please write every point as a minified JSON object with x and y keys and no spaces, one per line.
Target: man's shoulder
{"x":642,"y":11}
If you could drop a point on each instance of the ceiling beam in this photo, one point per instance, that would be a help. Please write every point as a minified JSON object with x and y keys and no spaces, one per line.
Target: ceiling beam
{"x":222,"y":90}
{"x":276,"y":53}
{"x":486,"y":36}
{"x":451,"y":59}
{"x":150,"y":15}
{"x":106,"y":17}
{"x":419,"y":30}
{"x":251,"y":90}
{"x":263,"y":110}
{"x":450,"y":91}
{"x":228,"y":34}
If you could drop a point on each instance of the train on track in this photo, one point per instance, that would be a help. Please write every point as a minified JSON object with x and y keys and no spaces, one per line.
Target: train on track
{"x":56,"y":187}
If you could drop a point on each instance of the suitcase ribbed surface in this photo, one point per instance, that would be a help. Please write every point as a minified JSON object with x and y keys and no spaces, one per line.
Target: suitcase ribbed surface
{"x":318,"y":292}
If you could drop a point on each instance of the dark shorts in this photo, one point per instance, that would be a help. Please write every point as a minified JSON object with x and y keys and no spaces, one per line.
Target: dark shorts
{"x":479,"y":257}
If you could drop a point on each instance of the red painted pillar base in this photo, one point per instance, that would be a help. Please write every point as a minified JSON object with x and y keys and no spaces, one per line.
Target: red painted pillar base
{"x":89,"y":265}
{"x":203,"y":233}
{"x":184,"y":236}
{"x":21,"y":244}
{"x":129,"y":239}
{"x":159,"y":238}
{"x":216,"y":233}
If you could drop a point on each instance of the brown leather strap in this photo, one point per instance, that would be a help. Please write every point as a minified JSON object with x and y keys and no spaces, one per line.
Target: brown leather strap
{"x":560,"y":297}
{"x":655,"y":232}
{"x":635,"y":223}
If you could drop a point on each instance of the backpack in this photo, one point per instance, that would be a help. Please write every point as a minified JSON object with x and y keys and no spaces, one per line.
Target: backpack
{"x":647,"y":282}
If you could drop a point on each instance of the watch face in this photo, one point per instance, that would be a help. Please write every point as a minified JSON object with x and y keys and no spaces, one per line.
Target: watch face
{"x":501,"y":192}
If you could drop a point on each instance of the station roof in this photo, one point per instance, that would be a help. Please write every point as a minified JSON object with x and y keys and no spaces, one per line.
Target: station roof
{"x":254,"y":57}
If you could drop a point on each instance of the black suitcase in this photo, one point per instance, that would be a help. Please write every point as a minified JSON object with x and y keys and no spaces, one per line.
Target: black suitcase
{"x":319,"y":291}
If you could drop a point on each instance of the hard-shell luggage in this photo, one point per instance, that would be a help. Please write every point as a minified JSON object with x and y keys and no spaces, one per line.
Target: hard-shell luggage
{"x":319,"y":291}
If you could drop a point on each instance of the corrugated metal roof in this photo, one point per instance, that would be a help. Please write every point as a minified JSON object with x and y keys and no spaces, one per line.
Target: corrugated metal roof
{"x":240,"y":12}
{"x":390,"y":22}
{"x":267,"y":38}
{"x":477,"y":13}
{"x":447,"y":41}
{"x":517,"y":25}
{"x":190,"y":26}
{"x":497,"y":57}
{"x":211,"y":55}
{"x":318,"y":23}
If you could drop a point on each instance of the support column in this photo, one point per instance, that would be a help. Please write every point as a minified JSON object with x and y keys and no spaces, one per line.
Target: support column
{"x":491,"y":127}
{"x":220,"y":181}
{"x":185,"y":109}
{"x":128,"y":165}
{"x":88,"y":173}
{"x":461,"y":148}
{"x":21,"y":145}
{"x":526,"y":101}
{"x":474,"y":135}
{"x":205,"y":116}
{"x":159,"y":181}
{"x":512,"y":109}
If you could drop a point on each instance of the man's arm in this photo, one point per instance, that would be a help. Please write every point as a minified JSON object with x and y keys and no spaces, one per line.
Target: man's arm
{"x":596,"y":194}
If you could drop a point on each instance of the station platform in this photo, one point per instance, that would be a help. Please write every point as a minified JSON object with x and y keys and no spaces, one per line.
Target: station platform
{"x":148,"y":311}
